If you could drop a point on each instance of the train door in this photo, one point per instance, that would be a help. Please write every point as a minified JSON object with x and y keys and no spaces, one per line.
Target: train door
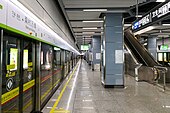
{"x":17,"y":75}
{"x":28,"y":76}
{"x":46,"y":72}
{"x":57,"y":67}
{"x":10,"y":77}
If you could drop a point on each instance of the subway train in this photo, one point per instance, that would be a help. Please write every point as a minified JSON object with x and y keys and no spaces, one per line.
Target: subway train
{"x":32,"y":63}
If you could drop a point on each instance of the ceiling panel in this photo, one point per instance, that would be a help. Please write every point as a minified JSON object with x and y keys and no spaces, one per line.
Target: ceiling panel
{"x":86,"y":30}
{"x":80,"y":15}
{"x":84,"y":24}
{"x":99,"y":3}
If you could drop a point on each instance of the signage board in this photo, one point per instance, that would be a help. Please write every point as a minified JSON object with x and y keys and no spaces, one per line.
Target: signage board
{"x":20,"y":20}
{"x":84,"y":47}
{"x":154,"y":15}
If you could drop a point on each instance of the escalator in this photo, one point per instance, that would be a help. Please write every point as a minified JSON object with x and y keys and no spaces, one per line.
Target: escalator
{"x":138,"y":50}
{"x":146,"y":71}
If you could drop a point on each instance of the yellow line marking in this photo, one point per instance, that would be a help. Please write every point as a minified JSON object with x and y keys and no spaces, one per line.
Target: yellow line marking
{"x":61,"y":110}
{"x":62,"y":92}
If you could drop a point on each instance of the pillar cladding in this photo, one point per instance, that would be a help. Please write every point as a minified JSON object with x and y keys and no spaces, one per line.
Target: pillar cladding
{"x":96,"y":49}
{"x":113,"y":56}
{"x":152,"y":47}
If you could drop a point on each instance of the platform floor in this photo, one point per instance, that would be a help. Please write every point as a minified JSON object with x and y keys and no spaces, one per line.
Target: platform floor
{"x":85,"y":94}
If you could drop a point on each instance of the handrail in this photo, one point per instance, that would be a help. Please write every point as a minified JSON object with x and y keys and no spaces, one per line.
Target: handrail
{"x":164,"y":70}
{"x":136,"y":71}
{"x":160,"y":67}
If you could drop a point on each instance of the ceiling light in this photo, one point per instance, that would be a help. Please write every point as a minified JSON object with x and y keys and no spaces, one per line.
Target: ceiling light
{"x":166,"y":24}
{"x":94,"y":10}
{"x":93,"y":21}
{"x":145,"y":44}
{"x":88,"y":36}
{"x":138,"y":16}
{"x":88,"y":32}
{"x":89,"y":27}
{"x":160,"y":0}
{"x":144,"y":30}
{"x":127,"y":25}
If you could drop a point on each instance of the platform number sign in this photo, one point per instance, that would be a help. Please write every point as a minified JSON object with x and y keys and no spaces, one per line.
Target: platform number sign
{"x":9,"y":84}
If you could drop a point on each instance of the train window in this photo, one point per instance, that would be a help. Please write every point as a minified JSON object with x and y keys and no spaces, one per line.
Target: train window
{"x":10,"y":78}
{"x":160,"y":58}
{"x":46,"y":71}
{"x":165,"y":57}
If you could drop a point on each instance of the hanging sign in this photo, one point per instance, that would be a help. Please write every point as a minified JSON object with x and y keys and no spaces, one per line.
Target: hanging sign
{"x":154,"y":15}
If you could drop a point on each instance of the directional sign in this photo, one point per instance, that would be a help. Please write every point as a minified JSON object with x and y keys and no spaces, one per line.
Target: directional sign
{"x":9,"y":84}
{"x":154,"y":15}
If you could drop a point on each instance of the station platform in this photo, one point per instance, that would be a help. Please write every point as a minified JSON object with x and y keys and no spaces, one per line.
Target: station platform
{"x":82,"y":92}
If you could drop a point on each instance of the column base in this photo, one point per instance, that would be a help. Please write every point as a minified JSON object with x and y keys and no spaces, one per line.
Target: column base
{"x":113,"y":86}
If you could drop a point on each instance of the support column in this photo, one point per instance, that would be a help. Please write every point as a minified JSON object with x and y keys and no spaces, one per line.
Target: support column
{"x":96,"y":45}
{"x":152,"y":47}
{"x":112,"y":51}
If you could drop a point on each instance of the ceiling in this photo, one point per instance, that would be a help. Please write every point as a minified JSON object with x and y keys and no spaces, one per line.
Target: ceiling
{"x":74,"y":14}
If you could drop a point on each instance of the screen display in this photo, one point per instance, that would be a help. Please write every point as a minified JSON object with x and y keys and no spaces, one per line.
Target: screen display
{"x":25,"y":57}
{"x":13,"y":57}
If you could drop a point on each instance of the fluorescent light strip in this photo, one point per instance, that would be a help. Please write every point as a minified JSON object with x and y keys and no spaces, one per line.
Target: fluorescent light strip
{"x":88,"y":32}
{"x":166,"y":24}
{"x":160,"y":0}
{"x":127,"y":25}
{"x":144,"y":30}
{"x":89,"y":28}
{"x":138,"y":16}
{"x":95,"y":10}
{"x":88,"y":21}
{"x":41,"y":23}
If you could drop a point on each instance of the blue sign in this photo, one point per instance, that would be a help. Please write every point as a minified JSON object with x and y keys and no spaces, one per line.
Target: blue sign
{"x":153,"y":16}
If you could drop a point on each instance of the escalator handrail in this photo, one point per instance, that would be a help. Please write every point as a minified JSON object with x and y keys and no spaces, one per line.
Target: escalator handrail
{"x":129,"y":33}
{"x":136,"y":51}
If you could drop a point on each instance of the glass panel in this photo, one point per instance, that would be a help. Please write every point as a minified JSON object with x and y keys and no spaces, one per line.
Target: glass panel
{"x":29,"y":81}
{"x":160,"y":55}
{"x":46,"y":71}
{"x":10,"y":78}
{"x":57,"y":67}
{"x":165,"y":57}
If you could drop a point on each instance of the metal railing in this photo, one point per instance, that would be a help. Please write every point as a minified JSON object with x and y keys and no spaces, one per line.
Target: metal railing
{"x":137,"y":72}
{"x":164,"y":71}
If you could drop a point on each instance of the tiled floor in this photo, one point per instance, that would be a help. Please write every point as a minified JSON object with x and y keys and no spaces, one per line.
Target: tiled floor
{"x":85,"y":94}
